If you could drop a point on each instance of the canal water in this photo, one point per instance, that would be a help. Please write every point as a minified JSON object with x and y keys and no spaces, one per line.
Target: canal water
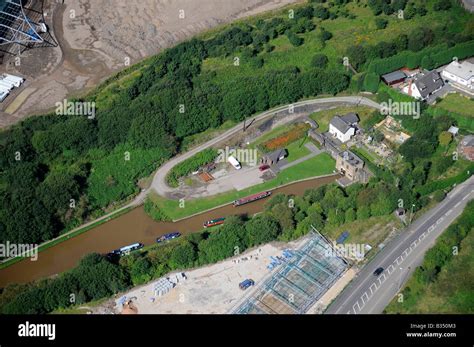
{"x":134,"y":226}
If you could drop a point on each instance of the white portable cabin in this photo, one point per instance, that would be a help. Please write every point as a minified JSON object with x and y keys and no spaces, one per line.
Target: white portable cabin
{"x":4,"y":89}
{"x":6,"y":84}
{"x":3,"y":95}
{"x":17,"y":81}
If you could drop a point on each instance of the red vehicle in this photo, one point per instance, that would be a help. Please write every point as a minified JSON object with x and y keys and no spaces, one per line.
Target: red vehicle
{"x":251,"y":198}
{"x":264,"y":167}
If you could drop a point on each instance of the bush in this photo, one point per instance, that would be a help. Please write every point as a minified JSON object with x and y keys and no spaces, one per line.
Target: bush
{"x":294,"y":39}
{"x":319,"y":61}
{"x":381,"y":23}
{"x":371,"y":82}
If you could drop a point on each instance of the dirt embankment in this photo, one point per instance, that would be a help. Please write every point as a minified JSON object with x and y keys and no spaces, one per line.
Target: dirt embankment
{"x":98,"y":37}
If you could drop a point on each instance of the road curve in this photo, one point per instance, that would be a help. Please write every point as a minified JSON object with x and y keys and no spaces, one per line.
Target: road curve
{"x":159,"y":180}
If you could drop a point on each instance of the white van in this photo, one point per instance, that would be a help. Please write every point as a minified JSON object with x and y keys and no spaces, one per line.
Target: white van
{"x":234,"y":162}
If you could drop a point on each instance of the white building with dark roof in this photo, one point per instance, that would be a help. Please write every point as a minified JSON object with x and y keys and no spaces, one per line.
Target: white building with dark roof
{"x":461,"y":74}
{"x":425,"y":85}
{"x":343,"y":127}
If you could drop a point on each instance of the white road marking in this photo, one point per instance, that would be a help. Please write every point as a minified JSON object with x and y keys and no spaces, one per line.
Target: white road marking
{"x":358,"y":306}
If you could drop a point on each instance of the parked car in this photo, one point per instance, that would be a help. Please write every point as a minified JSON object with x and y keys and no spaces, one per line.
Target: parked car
{"x":246,"y":284}
{"x":378,"y":271}
{"x":264,"y":167}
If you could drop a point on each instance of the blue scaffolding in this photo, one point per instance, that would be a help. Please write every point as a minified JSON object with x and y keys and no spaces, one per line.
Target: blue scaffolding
{"x":300,"y":283}
{"x":22,"y":26}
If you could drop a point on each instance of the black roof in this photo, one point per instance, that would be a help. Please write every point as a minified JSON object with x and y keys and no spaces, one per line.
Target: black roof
{"x":428,"y":83}
{"x":394,"y":76}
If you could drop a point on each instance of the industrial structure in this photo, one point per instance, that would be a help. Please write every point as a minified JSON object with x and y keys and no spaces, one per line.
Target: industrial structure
{"x":300,"y":282}
{"x":22,"y":26}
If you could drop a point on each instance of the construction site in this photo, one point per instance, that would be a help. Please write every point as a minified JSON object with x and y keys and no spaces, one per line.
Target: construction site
{"x":297,"y":285}
{"x":302,"y":276}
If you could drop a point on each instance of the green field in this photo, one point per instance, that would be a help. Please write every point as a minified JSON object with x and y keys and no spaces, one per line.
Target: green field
{"x":458,"y":103}
{"x":322,"y":164}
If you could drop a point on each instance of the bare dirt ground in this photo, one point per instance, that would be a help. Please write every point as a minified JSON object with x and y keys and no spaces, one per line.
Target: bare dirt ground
{"x":210,"y":289}
{"x":99,"y":37}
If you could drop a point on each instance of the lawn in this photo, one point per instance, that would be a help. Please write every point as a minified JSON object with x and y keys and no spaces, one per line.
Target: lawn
{"x":458,"y":103}
{"x":322,"y":164}
{"x":297,"y":150}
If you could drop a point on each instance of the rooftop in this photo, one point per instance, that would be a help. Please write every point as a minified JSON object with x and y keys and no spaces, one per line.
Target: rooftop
{"x":465,"y":70}
{"x":394,"y":76}
{"x":344,"y":123}
{"x":428,"y":83}
{"x":351,"y":158}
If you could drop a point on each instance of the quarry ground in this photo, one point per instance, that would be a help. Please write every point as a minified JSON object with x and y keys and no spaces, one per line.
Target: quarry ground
{"x":99,"y":37}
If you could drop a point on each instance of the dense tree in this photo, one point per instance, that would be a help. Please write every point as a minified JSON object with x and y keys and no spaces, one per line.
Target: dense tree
{"x":262,"y":229}
{"x":442,"y":5}
{"x":357,"y":55}
{"x":183,"y":256}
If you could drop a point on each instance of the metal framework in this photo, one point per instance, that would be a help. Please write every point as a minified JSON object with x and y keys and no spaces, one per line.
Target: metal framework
{"x":22,"y":26}
{"x":299,"y":283}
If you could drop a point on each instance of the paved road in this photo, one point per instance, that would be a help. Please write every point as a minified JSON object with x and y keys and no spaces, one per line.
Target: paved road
{"x":159,"y":182}
{"x":369,"y":294}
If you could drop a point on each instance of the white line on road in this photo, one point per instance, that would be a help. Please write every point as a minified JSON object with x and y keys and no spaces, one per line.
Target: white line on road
{"x":362,"y":297}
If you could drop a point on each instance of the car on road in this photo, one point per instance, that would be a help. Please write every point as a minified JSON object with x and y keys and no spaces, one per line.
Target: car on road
{"x":246,"y":284}
{"x":264,"y":167}
{"x":378,"y":271}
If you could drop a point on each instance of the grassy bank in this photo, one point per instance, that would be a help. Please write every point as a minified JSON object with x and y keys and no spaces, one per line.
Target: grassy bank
{"x":443,"y":283}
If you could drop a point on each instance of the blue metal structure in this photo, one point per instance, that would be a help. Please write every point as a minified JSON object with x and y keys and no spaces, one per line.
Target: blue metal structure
{"x":299,"y":282}
{"x":22,"y":26}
